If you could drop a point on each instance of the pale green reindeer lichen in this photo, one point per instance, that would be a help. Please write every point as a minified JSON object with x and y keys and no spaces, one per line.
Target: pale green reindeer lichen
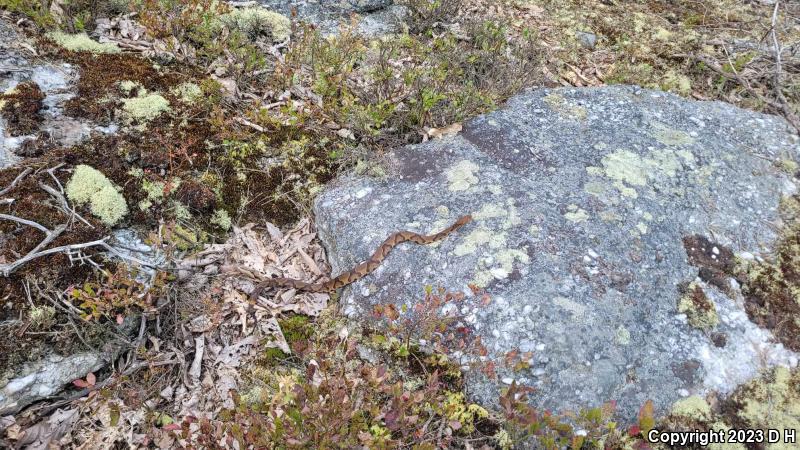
{"x":254,"y":21}
{"x":221,"y":219}
{"x":90,"y":186}
{"x":81,"y":42}
{"x":144,"y":107}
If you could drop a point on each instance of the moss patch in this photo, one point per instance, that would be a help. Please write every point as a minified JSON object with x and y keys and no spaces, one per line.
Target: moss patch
{"x":20,"y":108}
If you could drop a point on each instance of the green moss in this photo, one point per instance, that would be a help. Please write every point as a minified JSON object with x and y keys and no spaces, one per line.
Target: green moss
{"x":81,"y":42}
{"x":676,"y":82}
{"x":255,"y":21}
{"x":296,"y":328}
{"x":272,"y":356}
{"x":144,"y":108}
{"x":185,"y":239}
{"x":88,"y":185}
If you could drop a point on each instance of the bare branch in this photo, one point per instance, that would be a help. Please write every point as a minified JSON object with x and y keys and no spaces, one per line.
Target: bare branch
{"x":713,"y":65}
{"x":27,"y":222}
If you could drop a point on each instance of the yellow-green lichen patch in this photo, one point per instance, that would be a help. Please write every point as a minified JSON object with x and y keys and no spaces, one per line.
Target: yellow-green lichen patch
{"x":670,"y":136}
{"x":628,"y":170}
{"x":462,"y":176}
{"x":576,"y":214}
{"x":772,"y":401}
{"x":479,"y":237}
{"x":496,"y":259}
{"x":560,"y":105}
{"x":622,"y":335}
{"x":503,"y":265}
{"x":489,"y":211}
{"x":81,"y":42}
{"x":494,"y":210}
{"x":693,"y":407}
{"x":127,"y":86}
{"x":188,"y":92}
{"x":788,"y":165}
{"x":255,"y":21}
{"x":144,"y":108}
{"x":595,"y":188}
{"x":699,"y":309}
{"x":626,"y":166}
{"x":642,"y":227}
{"x":89,"y":186}
{"x":221,"y":219}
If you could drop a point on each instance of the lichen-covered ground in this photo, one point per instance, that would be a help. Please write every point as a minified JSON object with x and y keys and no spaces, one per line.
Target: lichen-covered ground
{"x":224,"y":122}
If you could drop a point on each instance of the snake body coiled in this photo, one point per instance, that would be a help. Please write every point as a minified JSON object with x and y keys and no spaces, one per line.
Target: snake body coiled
{"x":363,"y":269}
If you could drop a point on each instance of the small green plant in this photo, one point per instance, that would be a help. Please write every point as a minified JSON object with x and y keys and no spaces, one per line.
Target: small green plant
{"x":116,"y":293}
{"x":35,"y":9}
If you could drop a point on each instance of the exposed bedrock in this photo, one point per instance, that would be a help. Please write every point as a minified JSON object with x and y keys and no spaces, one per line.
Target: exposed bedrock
{"x":587,"y":204}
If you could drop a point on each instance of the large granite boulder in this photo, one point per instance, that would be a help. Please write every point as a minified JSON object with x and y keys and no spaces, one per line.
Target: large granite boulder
{"x":586,"y":203}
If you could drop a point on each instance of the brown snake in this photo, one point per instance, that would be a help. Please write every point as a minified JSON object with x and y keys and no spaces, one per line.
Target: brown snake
{"x":365,"y":268}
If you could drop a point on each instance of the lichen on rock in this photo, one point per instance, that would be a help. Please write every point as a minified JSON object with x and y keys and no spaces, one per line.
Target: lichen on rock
{"x":699,"y":309}
{"x":462,"y":176}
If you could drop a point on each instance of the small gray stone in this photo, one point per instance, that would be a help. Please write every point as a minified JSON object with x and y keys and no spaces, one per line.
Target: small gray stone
{"x":587,"y":39}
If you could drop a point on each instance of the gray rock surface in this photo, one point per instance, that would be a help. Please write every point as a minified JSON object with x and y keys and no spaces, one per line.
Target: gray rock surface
{"x":587,"y":39}
{"x":46,"y":377}
{"x":581,"y":200}
{"x":375,"y":17}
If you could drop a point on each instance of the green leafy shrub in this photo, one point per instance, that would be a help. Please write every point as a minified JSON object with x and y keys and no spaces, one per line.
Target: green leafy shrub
{"x":117,"y":293}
